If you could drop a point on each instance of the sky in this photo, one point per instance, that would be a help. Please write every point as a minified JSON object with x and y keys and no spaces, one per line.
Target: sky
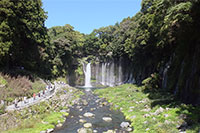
{"x":87,"y":15}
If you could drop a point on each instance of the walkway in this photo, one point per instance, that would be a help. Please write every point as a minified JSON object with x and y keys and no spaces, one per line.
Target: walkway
{"x":31,"y":101}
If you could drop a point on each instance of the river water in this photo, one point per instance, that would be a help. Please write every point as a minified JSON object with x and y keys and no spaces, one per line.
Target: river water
{"x":97,"y":106}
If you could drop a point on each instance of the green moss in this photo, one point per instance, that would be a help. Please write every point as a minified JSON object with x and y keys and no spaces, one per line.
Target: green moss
{"x":133,"y":100}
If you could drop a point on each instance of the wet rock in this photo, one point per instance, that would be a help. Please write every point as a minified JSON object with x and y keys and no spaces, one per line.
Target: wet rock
{"x":85,"y":102}
{"x":59,"y":125}
{"x":95,"y":131}
{"x":87,"y":125}
{"x":84,"y":130}
{"x":107,"y":119}
{"x":49,"y":131}
{"x":125,"y":124}
{"x":88,"y":114}
{"x":82,"y":121}
{"x":110,"y":131}
{"x":129,"y":129}
{"x":92,"y":109}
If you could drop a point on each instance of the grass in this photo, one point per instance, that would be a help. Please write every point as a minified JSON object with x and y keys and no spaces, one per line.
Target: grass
{"x":45,"y":115}
{"x":151,"y":111}
{"x":41,"y":122}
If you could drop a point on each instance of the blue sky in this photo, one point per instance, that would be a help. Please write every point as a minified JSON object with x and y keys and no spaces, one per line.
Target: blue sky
{"x":87,"y":15}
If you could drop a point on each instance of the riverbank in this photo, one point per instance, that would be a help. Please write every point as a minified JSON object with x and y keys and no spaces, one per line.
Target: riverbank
{"x":44,"y":116}
{"x":152,"y":111}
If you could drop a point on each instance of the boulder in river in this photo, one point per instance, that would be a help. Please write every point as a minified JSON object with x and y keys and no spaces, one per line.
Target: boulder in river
{"x":88,"y":114}
{"x":125,"y":124}
{"x":107,"y":119}
{"x":84,"y":130}
{"x":87,"y":125}
{"x":82,"y":121}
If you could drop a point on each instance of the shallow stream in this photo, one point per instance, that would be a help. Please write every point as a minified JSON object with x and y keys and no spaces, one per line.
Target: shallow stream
{"x":100,"y":108}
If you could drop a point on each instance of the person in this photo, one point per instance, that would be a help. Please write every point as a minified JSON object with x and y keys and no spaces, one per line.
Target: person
{"x":15,"y":103}
{"x":25,"y":100}
{"x":43,"y":92}
{"x":34,"y":96}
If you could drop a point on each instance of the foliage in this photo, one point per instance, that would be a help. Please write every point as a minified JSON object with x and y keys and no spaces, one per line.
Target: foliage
{"x":22,"y":34}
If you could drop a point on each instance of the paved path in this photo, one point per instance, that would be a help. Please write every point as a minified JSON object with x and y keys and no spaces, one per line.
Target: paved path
{"x":31,"y":101}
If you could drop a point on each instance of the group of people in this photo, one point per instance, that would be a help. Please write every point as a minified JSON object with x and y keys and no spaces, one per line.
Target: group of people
{"x":49,"y":88}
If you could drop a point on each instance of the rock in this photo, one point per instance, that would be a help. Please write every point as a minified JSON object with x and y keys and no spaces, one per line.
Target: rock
{"x":133,"y":117}
{"x":87,"y":125}
{"x":59,"y":125}
{"x":158,"y":111}
{"x":80,"y":109}
{"x":88,"y":114}
{"x":110,"y":131}
{"x":95,"y":131}
{"x":84,"y":130}
{"x":64,"y":110}
{"x":85,"y":102}
{"x":154,"y":118}
{"x":129,"y":129}
{"x":166,"y":115}
{"x":107,"y":119}
{"x":146,"y":110}
{"x":82,"y":121}
{"x":146,"y":115}
{"x":146,"y":122}
{"x":130,"y":110}
{"x":125,"y":124}
{"x":147,"y":129}
{"x":44,"y":122}
{"x":92,"y":109}
{"x":49,"y":130}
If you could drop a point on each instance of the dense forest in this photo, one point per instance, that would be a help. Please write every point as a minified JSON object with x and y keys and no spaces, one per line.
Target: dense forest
{"x":161,"y":43}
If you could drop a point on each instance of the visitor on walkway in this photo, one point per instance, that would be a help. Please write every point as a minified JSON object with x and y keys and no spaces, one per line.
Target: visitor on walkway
{"x":16,"y":103}
{"x":43,"y":93}
{"x":25,"y":100}
{"x":34,"y":95}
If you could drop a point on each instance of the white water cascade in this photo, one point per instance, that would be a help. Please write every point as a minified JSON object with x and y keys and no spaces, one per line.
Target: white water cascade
{"x":87,"y":73}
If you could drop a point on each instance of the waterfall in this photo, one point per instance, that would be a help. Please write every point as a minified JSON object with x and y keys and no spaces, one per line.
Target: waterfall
{"x":103,"y":82}
{"x":87,"y":73}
